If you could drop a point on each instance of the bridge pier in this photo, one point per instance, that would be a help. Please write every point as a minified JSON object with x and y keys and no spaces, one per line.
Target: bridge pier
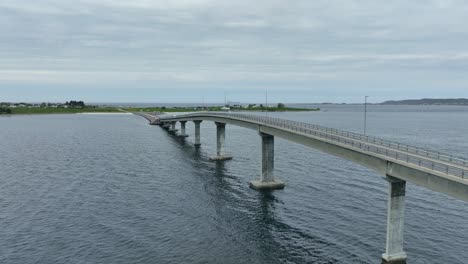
{"x":182,"y":129}
{"x":173,"y":127}
{"x":394,"y":253}
{"x":267,"y":177}
{"x":220,"y":139}
{"x":197,"y":132}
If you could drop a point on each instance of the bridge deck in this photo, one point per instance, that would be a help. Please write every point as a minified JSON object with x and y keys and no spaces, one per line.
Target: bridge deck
{"x":389,"y":157}
{"x":153,"y":118}
{"x":397,"y":162}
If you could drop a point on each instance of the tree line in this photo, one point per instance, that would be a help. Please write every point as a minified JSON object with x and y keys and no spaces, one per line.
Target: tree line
{"x":75,"y":104}
{"x":5,"y":110}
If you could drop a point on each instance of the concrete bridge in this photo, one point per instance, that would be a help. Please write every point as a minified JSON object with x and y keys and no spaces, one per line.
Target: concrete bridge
{"x":153,"y":118}
{"x":397,"y":163}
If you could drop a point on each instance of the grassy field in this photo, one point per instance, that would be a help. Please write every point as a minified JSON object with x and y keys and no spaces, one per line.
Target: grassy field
{"x":277,"y":109}
{"x":168,"y":110}
{"x":50,"y":110}
{"x":157,"y":109}
{"x":218,"y":108}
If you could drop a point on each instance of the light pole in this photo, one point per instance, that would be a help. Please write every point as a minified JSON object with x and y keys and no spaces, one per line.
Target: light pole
{"x":365,"y":114}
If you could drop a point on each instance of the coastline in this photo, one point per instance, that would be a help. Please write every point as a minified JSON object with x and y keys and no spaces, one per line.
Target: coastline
{"x":60,"y":111}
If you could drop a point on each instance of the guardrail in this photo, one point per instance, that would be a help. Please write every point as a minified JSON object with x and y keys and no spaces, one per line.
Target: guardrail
{"x":151,"y":117}
{"x":435,"y":161}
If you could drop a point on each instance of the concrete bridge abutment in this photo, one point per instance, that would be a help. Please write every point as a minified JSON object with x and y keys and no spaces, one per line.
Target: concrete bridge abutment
{"x":220,"y":140}
{"x":394,"y":253}
{"x":267,"y":175}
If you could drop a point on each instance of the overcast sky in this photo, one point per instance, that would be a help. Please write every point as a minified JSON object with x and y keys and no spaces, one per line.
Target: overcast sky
{"x":186,"y":50}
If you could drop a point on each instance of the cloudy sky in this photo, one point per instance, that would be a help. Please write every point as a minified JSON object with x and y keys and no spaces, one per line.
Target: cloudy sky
{"x":186,"y":50}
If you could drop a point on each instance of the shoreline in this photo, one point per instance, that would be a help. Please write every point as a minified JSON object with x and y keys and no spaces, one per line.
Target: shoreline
{"x":62,"y":111}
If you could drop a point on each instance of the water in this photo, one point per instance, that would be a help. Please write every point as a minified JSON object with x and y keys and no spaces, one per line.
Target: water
{"x":112,"y":189}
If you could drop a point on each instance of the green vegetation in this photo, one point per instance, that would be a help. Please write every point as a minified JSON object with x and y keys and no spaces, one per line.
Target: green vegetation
{"x":280,"y":107}
{"x":172,"y":110}
{"x":73,"y":107}
{"x":75,"y":104}
{"x":51,"y":110}
{"x":5,"y":111}
{"x":158,"y":109}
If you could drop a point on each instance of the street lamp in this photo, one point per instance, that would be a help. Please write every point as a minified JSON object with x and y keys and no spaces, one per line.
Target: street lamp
{"x":365,"y":114}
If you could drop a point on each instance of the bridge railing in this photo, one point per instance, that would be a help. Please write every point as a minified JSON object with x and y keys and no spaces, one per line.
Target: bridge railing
{"x":435,"y":161}
{"x":151,"y":117}
{"x":370,"y":139}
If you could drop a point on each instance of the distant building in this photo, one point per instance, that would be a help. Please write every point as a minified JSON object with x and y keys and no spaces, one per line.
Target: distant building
{"x":230,"y":103}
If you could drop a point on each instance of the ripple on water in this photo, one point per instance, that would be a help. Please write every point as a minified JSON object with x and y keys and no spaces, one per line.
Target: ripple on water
{"x":111,"y":189}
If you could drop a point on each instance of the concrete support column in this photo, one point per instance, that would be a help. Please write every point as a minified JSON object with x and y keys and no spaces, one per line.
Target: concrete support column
{"x":182,"y":129}
{"x":173,"y":127}
{"x":394,"y":253}
{"x":197,"y":132}
{"x":220,"y":139}
{"x":267,"y":176}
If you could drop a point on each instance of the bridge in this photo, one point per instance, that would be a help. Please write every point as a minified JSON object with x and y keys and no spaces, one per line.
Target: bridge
{"x":397,"y":163}
{"x":153,"y":118}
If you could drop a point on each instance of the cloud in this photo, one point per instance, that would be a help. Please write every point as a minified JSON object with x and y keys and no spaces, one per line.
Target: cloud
{"x":233,"y":43}
{"x":247,"y":23}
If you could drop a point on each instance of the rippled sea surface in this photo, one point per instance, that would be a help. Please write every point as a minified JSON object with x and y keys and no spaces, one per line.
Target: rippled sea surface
{"x":112,"y":189}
